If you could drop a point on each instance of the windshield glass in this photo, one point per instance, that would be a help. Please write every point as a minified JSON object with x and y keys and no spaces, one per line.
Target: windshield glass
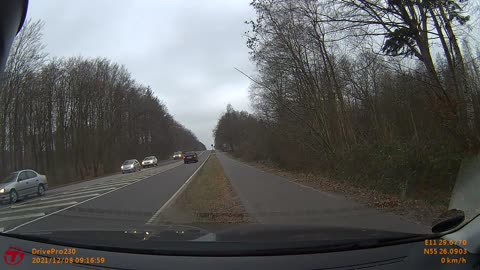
{"x":300,"y":117}
{"x":10,"y":178}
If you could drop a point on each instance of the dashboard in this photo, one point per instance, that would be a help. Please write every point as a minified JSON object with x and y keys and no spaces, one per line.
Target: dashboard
{"x":447,"y":252}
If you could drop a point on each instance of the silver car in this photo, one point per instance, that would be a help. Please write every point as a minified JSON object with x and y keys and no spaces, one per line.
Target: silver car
{"x":131,"y":165}
{"x":150,"y":161}
{"x":21,"y":184}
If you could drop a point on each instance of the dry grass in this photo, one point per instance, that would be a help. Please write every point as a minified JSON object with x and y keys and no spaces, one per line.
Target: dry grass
{"x":209,"y":198}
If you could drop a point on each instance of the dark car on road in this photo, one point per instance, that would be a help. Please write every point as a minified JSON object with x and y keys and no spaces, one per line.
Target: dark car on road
{"x":190,"y":157}
{"x":131,"y":165}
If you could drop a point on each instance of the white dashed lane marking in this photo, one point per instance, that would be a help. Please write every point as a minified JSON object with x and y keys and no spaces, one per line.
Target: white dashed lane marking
{"x":51,"y":199}
{"x":84,"y":191}
{"x":54,"y":200}
{"x":26,"y":209}
{"x":107,"y":185}
{"x":34,"y":215}
{"x":70,"y":196}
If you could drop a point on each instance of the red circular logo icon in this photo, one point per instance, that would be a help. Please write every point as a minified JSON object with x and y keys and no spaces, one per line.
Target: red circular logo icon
{"x":13,"y":256}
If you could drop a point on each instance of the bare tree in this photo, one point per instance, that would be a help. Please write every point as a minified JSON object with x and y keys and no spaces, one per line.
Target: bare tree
{"x":74,"y":118}
{"x":355,"y":85}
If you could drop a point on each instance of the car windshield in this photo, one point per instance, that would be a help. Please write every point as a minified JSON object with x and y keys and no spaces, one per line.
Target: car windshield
{"x":350,"y":119}
{"x":10,"y":178}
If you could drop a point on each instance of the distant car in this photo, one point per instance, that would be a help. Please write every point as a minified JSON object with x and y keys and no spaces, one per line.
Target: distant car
{"x":21,"y":184}
{"x":131,"y":165}
{"x":190,"y":157}
{"x":178,"y":155}
{"x":150,"y":162}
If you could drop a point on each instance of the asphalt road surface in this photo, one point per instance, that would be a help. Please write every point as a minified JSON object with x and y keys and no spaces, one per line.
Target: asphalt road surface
{"x":106,"y":203}
{"x":118,"y":202}
{"x":276,"y":200}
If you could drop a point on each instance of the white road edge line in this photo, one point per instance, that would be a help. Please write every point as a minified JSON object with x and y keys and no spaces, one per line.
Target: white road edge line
{"x":79,"y":191}
{"x":50,"y":200}
{"x":104,"y":185}
{"x":21,"y":217}
{"x":175,"y":195}
{"x":82,"y":202}
{"x":57,"y":196}
{"x":26,"y":208}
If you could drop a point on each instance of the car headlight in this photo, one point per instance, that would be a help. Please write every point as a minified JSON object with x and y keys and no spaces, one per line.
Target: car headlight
{"x":121,"y":168}
{"x":143,"y":162}
{"x":2,"y":190}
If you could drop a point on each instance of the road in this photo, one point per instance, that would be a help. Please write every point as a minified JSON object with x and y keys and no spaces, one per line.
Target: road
{"x":131,"y":200}
{"x":107,"y":203}
{"x":276,"y":200}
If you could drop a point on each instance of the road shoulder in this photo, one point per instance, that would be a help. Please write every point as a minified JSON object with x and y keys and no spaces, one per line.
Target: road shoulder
{"x":418,"y":211}
{"x":270,"y":198}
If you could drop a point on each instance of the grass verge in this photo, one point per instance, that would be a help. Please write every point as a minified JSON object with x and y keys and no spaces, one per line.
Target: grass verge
{"x":208,"y":199}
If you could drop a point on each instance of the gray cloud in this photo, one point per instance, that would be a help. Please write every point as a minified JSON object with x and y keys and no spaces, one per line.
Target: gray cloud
{"x":185,"y":50}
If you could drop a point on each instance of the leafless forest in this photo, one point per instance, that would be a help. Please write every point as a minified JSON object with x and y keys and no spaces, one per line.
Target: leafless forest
{"x":384,"y":93}
{"x":73,"y":118}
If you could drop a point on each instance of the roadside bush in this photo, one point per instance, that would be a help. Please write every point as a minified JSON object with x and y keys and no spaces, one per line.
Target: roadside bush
{"x":403,"y":169}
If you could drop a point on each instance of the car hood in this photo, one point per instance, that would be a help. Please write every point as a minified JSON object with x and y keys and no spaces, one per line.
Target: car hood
{"x":228,"y":239}
{"x":4,"y":185}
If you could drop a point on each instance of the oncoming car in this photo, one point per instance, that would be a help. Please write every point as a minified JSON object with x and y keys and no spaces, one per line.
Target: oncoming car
{"x":177,"y":155}
{"x":21,"y":184}
{"x":149,"y":162}
{"x":131,"y":165}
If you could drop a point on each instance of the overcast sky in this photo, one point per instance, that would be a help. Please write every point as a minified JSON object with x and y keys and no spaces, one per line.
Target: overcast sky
{"x":185,"y":50}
